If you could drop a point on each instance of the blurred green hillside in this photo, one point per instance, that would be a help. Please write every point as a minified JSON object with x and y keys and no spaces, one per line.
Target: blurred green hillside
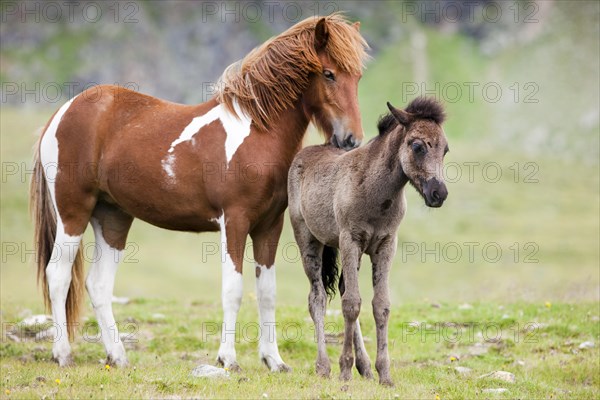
{"x":522,"y":218}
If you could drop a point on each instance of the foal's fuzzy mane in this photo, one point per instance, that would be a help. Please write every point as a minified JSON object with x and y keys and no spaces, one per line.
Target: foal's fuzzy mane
{"x":274,"y":75}
{"x":420,"y":108}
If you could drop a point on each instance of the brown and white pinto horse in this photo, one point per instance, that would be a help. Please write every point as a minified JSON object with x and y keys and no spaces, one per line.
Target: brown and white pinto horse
{"x":110,"y":155}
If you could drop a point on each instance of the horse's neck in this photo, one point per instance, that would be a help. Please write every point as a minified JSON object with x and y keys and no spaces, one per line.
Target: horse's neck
{"x":288,"y":130}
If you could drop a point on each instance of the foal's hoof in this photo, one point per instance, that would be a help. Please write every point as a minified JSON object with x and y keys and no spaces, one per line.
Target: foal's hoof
{"x":364,"y":368}
{"x":386,"y":382}
{"x":323,"y":371}
{"x":346,"y":375}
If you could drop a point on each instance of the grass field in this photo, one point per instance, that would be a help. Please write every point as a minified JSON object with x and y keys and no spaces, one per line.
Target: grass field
{"x":517,"y":240}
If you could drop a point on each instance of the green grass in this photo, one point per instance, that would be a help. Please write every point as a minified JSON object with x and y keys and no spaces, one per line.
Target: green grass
{"x":542,"y":213}
{"x":546,"y":361}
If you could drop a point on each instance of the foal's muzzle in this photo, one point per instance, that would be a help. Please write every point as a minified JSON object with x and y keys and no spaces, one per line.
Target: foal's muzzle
{"x":435,"y":192}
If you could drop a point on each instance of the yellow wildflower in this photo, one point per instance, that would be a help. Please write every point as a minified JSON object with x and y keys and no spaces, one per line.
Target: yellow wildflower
{"x":7,"y":392}
{"x":57,"y":381}
{"x":107,"y":367}
{"x":437,"y":397}
{"x":548,"y":304}
{"x":452,"y":359}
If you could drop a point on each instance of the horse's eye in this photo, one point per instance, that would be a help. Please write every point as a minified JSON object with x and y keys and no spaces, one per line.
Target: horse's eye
{"x":418,"y":148}
{"x":329,"y":75}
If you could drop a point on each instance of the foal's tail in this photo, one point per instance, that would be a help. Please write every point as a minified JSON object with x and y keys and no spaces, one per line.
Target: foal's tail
{"x":44,"y":216}
{"x":329,"y":270}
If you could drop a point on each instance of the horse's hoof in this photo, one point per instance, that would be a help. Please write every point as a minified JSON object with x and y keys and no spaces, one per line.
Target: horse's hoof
{"x":234,"y":367}
{"x":64,"y":362}
{"x":275,"y":366}
{"x":119,"y":362}
{"x":229,"y":366}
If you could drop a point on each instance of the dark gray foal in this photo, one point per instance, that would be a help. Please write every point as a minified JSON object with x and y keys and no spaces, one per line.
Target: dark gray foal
{"x":354,"y":201}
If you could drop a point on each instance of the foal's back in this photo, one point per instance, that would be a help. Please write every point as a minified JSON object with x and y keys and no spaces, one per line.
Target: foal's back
{"x":331,"y":190}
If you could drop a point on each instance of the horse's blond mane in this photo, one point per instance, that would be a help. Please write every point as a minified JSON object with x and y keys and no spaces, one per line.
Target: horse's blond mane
{"x":272,"y":76}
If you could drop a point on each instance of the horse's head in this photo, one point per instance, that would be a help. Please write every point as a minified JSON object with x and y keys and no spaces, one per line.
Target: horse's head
{"x":331,"y":98}
{"x":423,"y":147}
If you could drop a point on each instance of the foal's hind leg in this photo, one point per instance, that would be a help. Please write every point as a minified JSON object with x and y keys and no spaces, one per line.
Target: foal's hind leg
{"x":350,"y":252}
{"x":312,"y":250}
{"x":265,"y":248}
{"x":110,"y":229}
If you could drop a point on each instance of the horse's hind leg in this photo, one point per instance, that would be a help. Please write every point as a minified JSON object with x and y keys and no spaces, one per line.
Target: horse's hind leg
{"x":265,"y":247}
{"x":111,"y":226}
{"x":58,"y":276}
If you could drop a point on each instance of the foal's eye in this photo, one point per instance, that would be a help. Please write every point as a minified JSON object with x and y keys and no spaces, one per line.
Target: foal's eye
{"x":329,"y":75}
{"x":418,"y":148}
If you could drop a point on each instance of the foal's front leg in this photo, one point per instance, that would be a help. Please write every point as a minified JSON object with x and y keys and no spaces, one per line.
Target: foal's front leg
{"x":350,"y":251}
{"x":382,"y":261}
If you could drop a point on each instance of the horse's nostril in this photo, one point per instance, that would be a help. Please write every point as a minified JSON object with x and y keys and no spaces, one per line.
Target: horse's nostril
{"x":435,"y":195}
{"x":350,"y":141}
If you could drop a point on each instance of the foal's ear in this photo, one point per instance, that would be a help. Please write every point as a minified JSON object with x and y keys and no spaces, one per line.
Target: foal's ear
{"x":356,"y":26}
{"x":401,"y":116}
{"x":321,"y":34}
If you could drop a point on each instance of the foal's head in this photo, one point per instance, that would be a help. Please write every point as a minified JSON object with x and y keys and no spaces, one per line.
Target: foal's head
{"x":332,"y":95}
{"x":423,"y":146}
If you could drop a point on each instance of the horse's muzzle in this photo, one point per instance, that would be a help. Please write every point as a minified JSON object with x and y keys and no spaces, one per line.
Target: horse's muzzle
{"x":435,"y":192}
{"x":349,"y":142}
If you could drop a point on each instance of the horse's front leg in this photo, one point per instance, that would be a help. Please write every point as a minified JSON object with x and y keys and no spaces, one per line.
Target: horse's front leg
{"x":234,"y":230}
{"x":382,"y":261}
{"x":350,"y":251}
{"x":265,"y":247}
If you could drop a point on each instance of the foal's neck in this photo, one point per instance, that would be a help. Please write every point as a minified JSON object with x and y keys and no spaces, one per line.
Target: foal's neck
{"x":385,"y":163}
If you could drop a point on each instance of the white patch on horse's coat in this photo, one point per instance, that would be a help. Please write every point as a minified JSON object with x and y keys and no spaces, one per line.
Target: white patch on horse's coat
{"x":49,"y":149}
{"x":231,"y":294}
{"x":237,"y":128}
{"x":100,"y":284}
{"x":265,"y":295}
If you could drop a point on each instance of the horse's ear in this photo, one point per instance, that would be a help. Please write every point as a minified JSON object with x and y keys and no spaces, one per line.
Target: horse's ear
{"x":356,"y":25}
{"x":321,"y":34}
{"x":401,"y":116}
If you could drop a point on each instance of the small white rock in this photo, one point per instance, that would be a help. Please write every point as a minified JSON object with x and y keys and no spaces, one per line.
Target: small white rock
{"x":464,"y":371}
{"x":265,"y":396}
{"x":587,"y":345}
{"x":120,"y":300}
{"x":495,"y":390}
{"x":158,"y":316}
{"x":209,"y":371}
{"x":36,"y":320}
{"x":501,"y":375}
{"x":465,"y":306}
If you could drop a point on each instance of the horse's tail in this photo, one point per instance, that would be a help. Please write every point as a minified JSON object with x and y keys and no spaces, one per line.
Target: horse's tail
{"x":329,"y":270}
{"x":44,"y":216}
